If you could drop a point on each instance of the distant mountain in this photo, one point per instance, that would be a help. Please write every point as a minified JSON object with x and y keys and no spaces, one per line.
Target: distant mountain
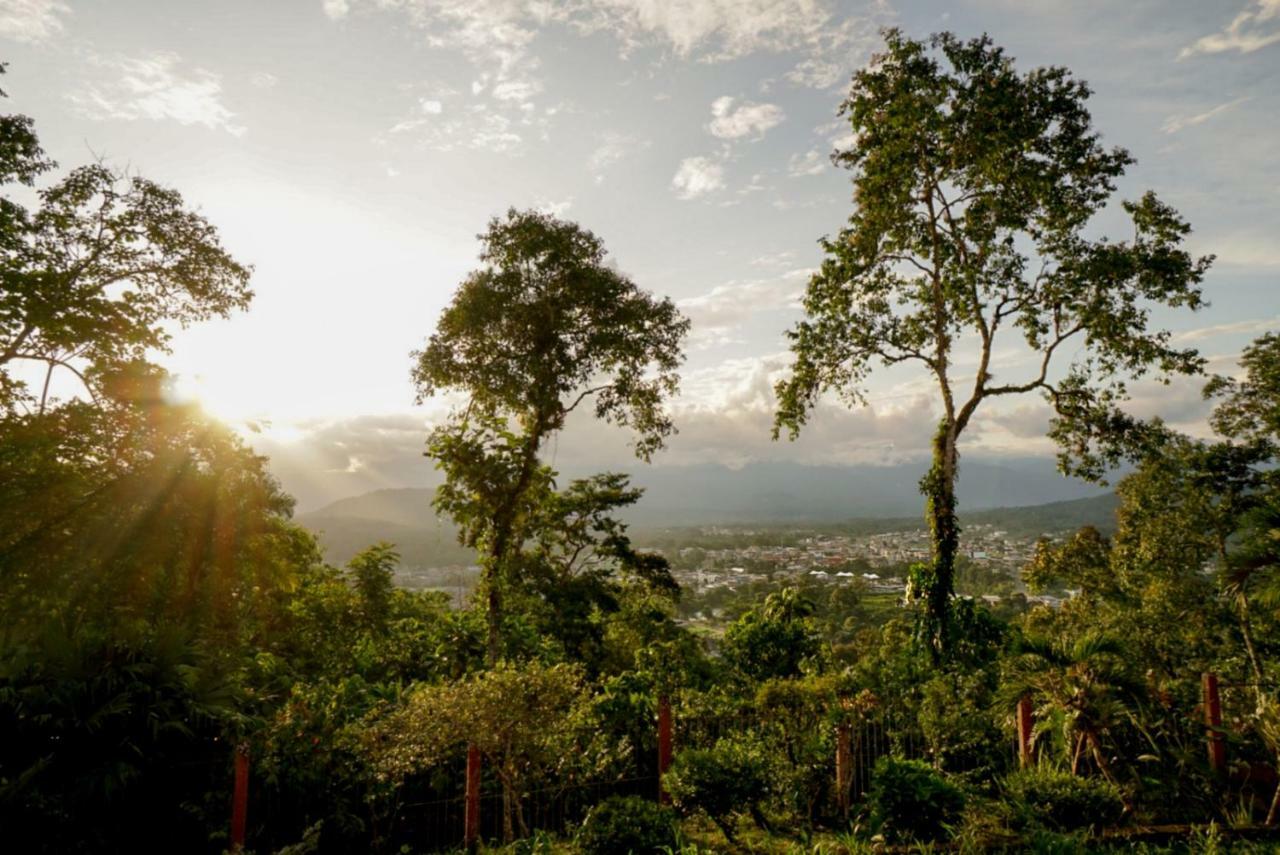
{"x":787,"y":492}
{"x":1029,"y":497}
{"x":402,"y":516}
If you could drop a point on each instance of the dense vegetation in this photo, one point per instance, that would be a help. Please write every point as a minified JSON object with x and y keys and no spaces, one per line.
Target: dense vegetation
{"x":162,"y":612}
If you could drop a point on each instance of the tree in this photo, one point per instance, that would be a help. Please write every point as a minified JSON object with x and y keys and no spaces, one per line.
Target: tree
{"x":524,"y":721}
{"x":90,"y":278}
{"x":974,"y":187}
{"x":775,"y":639}
{"x":545,"y":325}
{"x":1085,"y":685}
{"x":372,"y":572}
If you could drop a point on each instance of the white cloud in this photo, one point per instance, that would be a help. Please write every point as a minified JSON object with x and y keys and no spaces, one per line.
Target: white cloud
{"x":264,"y":80}
{"x":430,"y":106}
{"x":1234,"y":328}
{"x":336,"y":9}
{"x":697,"y":176}
{"x":1173,"y":124}
{"x":557,"y":209}
{"x":156,"y":88}
{"x":774,"y":259}
{"x":1255,"y":27}
{"x":719,"y":314}
{"x":810,"y":163}
{"x":516,"y":90}
{"x":612,"y":149}
{"x":730,"y":122}
{"x":816,"y":73}
{"x":718,"y":30}
{"x":31,"y":21}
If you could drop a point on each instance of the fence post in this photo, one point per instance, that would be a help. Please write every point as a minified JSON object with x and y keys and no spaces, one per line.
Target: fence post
{"x":844,"y":767}
{"x":471,"y":816}
{"x":240,"y":798}
{"x":1024,"y":731}
{"x":1213,"y":721}
{"x":664,"y":745}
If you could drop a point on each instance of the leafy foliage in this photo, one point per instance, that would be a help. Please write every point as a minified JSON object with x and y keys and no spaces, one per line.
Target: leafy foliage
{"x":544,"y":326}
{"x":974,"y":186}
{"x":910,"y":801}
{"x":1061,"y":801}
{"x":776,"y":640}
{"x":627,"y":824}
{"x":729,"y":778}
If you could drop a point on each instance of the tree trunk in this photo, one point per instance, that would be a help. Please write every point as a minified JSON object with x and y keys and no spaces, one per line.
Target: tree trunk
{"x":493,"y":617}
{"x":1275,"y":803}
{"x":1246,"y":624}
{"x":939,"y":488}
{"x":504,"y":524}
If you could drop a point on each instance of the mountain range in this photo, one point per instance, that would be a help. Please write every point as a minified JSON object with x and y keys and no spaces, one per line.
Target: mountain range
{"x":1018,"y":494}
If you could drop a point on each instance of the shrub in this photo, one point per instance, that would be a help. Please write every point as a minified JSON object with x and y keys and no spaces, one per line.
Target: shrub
{"x":721,"y":781}
{"x":627,"y":824}
{"x":910,"y":800}
{"x":1061,"y":801}
{"x":959,"y":731}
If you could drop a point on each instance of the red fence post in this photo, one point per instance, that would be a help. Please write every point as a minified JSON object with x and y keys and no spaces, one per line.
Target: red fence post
{"x":240,"y":798}
{"x":844,"y":767}
{"x":1213,"y":721}
{"x":664,"y":745}
{"x":1024,"y":731}
{"x":471,"y":818}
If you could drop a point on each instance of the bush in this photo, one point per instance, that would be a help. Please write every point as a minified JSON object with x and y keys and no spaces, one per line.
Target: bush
{"x":729,"y":778}
{"x":627,"y":824}
{"x":959,"y":731}
{"x":1061,"y":801}
{"x":910,"y":800}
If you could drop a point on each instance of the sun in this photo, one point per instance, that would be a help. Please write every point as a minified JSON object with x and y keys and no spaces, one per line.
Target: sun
{"x":214,"y":399}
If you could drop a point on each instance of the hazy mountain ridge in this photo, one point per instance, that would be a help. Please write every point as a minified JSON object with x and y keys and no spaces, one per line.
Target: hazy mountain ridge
{"x":1022,"y":496}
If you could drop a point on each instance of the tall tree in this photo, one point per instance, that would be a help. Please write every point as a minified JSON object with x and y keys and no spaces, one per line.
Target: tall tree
{"x":975,"y":187}
{"x":91,"y":276}
{"x":544,"y":326}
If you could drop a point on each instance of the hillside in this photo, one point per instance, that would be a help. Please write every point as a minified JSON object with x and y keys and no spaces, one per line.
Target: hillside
{"x":405,"y":517}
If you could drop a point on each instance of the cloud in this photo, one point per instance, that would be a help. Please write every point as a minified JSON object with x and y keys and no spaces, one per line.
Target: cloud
{"x":720,"y":30}
{"x":1255,"y":27}
{"x":498,"y":38}
{"x":773,"y":259}
{"x":729,"y":122}
{"x":1173,"y":124}
{"x":157,"y":89}
{"x":1233,"y":328}
{"x":813,"y":162}
{"x":557,"y":209}
{"x":697,"y":176}
{"x":718,"y":315}
{"x":498,"y":35}
{"x":264,"y":80}
{"x":444,"y":123}
{"x":816,"y":73}
{"x":612,"y":149}
{"x":329,"y":459}
{"x":31,"y":21}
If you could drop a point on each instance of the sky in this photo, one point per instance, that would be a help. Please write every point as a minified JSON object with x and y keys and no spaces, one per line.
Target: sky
{"x":351,"y":151}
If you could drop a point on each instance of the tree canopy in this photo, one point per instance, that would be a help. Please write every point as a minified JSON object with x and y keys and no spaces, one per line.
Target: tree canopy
{"x":89,"y":278}
{"x":543,"y":326}
{"x":976,"y":187}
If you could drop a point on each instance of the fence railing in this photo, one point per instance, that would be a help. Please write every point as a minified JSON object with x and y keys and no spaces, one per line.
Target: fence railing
{"x":475,"y":815}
